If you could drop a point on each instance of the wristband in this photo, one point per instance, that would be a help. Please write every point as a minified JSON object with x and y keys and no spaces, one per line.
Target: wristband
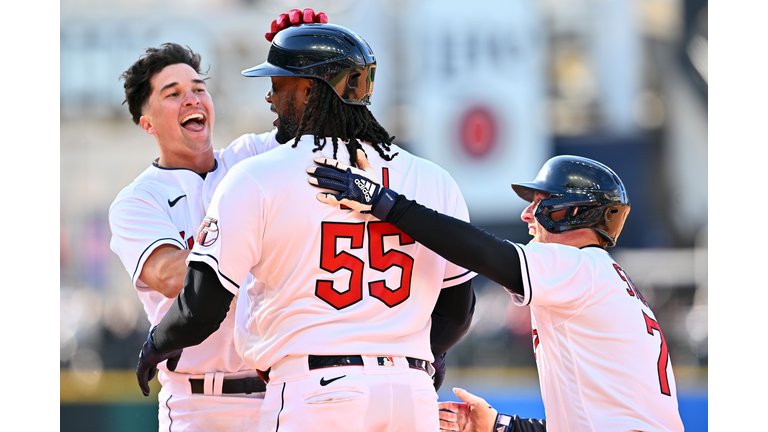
{"x":383,"y":203}
{"x":503,"y":423}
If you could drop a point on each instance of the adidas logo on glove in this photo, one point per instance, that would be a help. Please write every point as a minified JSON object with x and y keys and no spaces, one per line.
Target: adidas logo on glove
{"x":367,"y":188}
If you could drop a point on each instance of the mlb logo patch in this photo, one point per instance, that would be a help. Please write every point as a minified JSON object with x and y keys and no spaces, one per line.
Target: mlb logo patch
{"x":386,"y":361}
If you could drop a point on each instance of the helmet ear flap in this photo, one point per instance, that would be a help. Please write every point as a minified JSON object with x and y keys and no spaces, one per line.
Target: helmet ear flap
{"x":613,"y":222}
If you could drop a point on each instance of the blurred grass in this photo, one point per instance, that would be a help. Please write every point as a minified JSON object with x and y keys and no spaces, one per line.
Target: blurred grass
{"x":111,"y":386}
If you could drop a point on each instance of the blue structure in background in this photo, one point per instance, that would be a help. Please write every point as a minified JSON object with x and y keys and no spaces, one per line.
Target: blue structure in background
{"x":693,"y":406}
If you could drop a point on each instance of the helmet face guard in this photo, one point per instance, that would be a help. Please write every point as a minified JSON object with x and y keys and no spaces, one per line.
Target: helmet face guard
{"x":583,"y":193}
{"x":329,"y":52}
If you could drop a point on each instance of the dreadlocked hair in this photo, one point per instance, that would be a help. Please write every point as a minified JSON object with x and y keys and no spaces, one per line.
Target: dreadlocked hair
{"x":327,"y":114}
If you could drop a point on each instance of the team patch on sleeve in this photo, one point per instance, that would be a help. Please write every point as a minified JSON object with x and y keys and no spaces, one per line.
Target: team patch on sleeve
{"x":208,"y":232}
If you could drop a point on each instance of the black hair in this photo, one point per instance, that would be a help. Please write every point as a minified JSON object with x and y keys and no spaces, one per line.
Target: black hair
{"x":327,"y":115}
{"x":137,"y":77}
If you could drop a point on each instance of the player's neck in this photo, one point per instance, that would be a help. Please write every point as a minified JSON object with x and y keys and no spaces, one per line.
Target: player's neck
{"x":200,"y":163}
{"x":579,"y":238}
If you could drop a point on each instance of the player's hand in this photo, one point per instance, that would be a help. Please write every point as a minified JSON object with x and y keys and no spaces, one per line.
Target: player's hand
{"x":149,"y":358}
{"x":358,"y":189}
{"x":472,"y":415}
{"x":439,"y":376}
{"x":295,"y":17}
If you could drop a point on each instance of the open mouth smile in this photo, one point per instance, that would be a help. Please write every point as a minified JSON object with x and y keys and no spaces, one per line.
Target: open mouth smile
{"x":193,"y":122}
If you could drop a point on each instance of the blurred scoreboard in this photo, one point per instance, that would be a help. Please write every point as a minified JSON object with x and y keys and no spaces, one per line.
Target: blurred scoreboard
{"x":468,"y":82}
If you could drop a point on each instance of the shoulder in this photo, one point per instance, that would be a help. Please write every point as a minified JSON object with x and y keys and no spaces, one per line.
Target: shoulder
{"x":266,"y":139}
{"x":554,"y":252}
{"x":407,"y":160}
{"x":149,"y":186}
{"x":247,"y":145}
{"x":552,"y":248}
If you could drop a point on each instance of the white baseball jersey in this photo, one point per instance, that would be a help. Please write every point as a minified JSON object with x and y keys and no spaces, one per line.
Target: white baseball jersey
{"x":333,"y":282}
{"x":165,"y":206}
{"x":601,"y":355}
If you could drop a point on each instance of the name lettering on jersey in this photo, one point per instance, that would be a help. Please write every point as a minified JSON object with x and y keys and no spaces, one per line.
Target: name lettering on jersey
{"x":631,"y":288}
{"x":190,"y":240}
{"x":208,"y":232}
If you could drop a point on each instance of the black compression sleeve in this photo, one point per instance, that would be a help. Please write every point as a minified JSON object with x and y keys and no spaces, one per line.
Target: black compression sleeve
{"x":528,"y":425}
{"x":196,"y":313}
{"x":459,"y":242}
{"x":452,"y":316}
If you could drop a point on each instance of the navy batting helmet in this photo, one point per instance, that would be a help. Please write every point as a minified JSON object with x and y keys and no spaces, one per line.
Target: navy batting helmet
{"x":330,"y":52}
{"x":584,"y":193}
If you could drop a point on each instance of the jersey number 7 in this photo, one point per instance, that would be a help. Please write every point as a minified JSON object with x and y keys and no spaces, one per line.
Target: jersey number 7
{"x":379,"y":260}
{"x":661,"y":365}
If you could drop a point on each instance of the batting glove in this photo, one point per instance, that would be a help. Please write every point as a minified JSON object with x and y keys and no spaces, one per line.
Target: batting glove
{"x":359,"y":189}
{"x":149,"y":358}
{"x":439,"y":366}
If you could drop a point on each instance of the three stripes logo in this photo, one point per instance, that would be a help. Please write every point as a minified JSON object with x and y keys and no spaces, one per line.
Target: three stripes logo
{"x":367,"y":188}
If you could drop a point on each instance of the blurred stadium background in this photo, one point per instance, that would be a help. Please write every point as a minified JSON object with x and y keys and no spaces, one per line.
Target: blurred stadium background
{"x":487,"y":89}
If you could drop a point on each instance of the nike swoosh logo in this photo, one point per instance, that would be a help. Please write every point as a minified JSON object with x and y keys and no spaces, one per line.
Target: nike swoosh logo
{"x":173,"y":203}
{"x":323,"y":382}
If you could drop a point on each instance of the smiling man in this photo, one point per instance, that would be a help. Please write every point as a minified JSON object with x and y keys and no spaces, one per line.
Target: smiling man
{"x":179,"y":113}
{"x":153,"y":222}
{"x":351,"y":311}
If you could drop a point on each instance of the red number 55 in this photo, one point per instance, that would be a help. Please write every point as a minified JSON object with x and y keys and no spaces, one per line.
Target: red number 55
{"x":380,"y":260}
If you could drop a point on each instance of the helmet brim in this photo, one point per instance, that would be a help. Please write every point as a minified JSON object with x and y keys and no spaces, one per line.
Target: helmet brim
{"x":266,"y":70}
{"x":526,"y":191}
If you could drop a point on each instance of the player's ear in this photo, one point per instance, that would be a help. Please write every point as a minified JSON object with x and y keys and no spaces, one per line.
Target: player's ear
{"x":146,"y":123}
{"x":306,"y":90}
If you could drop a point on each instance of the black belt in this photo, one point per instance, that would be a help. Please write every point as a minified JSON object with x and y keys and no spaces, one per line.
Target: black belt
{"x":319,"y":362}
{"x":232,"y":386}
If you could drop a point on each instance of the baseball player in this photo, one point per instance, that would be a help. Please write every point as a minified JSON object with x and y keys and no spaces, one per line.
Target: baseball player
{"x":154,"y":220}
{"x":342,"y":331}
{"x":602,"y":358}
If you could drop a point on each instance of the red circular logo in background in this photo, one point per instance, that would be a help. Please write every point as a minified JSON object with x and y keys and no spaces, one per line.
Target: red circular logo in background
{"x":478,"y":131}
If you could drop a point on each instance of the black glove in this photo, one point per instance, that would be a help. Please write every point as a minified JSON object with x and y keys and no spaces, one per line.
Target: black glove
{"x":439,"y":376}
{"x":149,"y":357}
{"x":359,"y":189}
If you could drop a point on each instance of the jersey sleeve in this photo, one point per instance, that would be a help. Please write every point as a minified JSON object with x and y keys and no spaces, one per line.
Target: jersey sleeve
{"x":227,"y":237}
{"x":457,"y":208}
{"x":553,"y":275}
{"x":248,"y":145}
{"x":139,"y":225}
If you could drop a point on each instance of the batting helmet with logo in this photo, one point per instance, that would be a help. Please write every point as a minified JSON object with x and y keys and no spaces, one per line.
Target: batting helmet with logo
{"x":584,"y":193}
{"x":330,"y":52}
